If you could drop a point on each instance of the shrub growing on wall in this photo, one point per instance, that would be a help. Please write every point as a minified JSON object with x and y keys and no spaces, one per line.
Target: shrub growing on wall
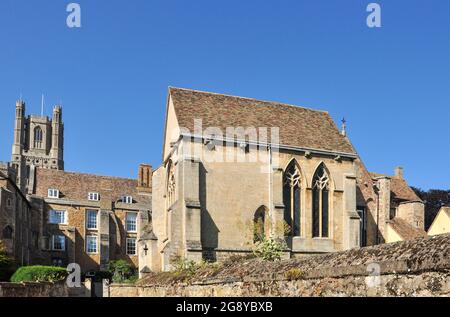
{"x":269,"y":249}
{"x":7,"y":266}
{"x":122,"y":272}
{"x":39,"y":274}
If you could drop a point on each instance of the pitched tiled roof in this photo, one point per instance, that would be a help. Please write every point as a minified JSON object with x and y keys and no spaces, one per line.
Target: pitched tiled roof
{"x":399,"y":188}
{"x":76,"y":186}
{"x":405,"y":230}
{"x":299,"y":127}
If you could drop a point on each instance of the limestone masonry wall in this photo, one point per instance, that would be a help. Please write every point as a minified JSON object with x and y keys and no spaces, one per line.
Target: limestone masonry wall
{"x":33,"y":290}
{"x":418,"y":267}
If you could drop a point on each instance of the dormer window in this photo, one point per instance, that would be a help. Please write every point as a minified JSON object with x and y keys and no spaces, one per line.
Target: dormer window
{"x":92,"y":196}
{"x":127,"y":199}
{"x":53,"y":193}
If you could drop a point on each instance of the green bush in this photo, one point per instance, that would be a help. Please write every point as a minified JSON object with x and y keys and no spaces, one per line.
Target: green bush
{"x":122,"y":272}
{"x":182,"y":265}
{"x":269,"y":249}
{"x":39,"y":274}
{"x":7,"y":266}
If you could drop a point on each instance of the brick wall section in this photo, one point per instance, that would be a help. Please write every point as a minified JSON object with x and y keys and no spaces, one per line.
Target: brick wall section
{"x":413,"y":268}
{"x":74,"y":189}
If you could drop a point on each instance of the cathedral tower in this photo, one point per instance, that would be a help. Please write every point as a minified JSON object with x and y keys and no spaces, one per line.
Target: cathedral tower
{"x":38,"y":142}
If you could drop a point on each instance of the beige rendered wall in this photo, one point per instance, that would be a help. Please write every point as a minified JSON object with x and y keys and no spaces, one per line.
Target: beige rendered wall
{"x":392,"y":235}
{"x":440,"y":225}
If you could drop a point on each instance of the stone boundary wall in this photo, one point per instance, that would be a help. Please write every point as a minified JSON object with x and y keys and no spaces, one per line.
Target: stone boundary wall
{"x":29,"y":289}
{"x":418,"y":267}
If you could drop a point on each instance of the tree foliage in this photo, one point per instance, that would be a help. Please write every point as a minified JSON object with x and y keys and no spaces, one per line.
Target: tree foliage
{"x":122,"y":272}
{"x":7,"y":265}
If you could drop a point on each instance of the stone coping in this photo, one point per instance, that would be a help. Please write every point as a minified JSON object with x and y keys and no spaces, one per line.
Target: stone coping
{"x":430,"y":254}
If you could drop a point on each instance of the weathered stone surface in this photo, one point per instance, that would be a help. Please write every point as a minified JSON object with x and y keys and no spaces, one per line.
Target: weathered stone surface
{"x":34,"y":290}
{"x":419,"y":267}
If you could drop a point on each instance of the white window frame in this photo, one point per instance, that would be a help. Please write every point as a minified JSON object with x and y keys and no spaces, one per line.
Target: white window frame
{"x":53,"y":193}
{"x":135,"y":221}
{"x":88,"y":239}
{"x":127,"y":200}
{"x":87,"y":219}
{"x":135,"y":246}
{"x":63,"y":244}
{"x":93,"y":196}
{"x":57,"y":211}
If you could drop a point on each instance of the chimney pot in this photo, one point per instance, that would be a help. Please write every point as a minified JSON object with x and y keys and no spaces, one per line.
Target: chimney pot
{"x":399,"y":172}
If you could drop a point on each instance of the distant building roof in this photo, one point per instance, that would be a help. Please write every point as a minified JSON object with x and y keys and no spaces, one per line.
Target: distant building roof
{"x":405,"y":230}
{"x":298,"y":127}
{"x":399,"y":188}
{"x":76,"y":186}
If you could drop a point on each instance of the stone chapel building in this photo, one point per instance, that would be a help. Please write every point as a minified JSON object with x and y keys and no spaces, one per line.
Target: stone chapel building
{"x":234,"y":171}
{"x":307,"y":185}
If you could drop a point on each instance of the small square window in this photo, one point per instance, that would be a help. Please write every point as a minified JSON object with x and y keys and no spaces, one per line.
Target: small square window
{"x":57,"y":217}
{"x":53,"y":193}
{"x":58,"y":243}
{"x":91,"y":244}
{"x":127,"y":199}
{"x":91,"y":219}
{"x":58,"y":262}
{"x":131,"y":246}
{"x":131,"y":220}
{"x":93,"y":196}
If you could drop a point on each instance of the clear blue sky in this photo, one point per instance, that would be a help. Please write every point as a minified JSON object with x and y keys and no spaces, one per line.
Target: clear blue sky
{"x":391,"y":84}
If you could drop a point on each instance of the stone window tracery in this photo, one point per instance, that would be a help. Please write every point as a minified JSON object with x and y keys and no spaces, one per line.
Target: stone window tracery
{"x":320,"y":208}
{"x":291,"y":197}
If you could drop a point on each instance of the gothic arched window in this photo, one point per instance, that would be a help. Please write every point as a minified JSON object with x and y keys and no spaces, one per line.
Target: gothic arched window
{"x":259,"y":225}
{"x":38,"y":137}
{"x":291,"y":197}
{"x":170,"y":190}
{"x":7,"y":232}
{"x":320,"y":208}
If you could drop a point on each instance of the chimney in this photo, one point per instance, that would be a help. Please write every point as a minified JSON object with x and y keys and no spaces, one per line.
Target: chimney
{"x":145,"y":178}
{"x":399,"y":172}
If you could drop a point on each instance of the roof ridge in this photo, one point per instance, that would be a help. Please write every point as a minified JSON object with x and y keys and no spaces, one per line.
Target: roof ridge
{"x":87,"y":174}
{"x":249,"y":98}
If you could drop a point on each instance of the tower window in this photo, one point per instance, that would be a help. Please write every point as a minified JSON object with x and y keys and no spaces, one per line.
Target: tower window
{"x":38,"y":137}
